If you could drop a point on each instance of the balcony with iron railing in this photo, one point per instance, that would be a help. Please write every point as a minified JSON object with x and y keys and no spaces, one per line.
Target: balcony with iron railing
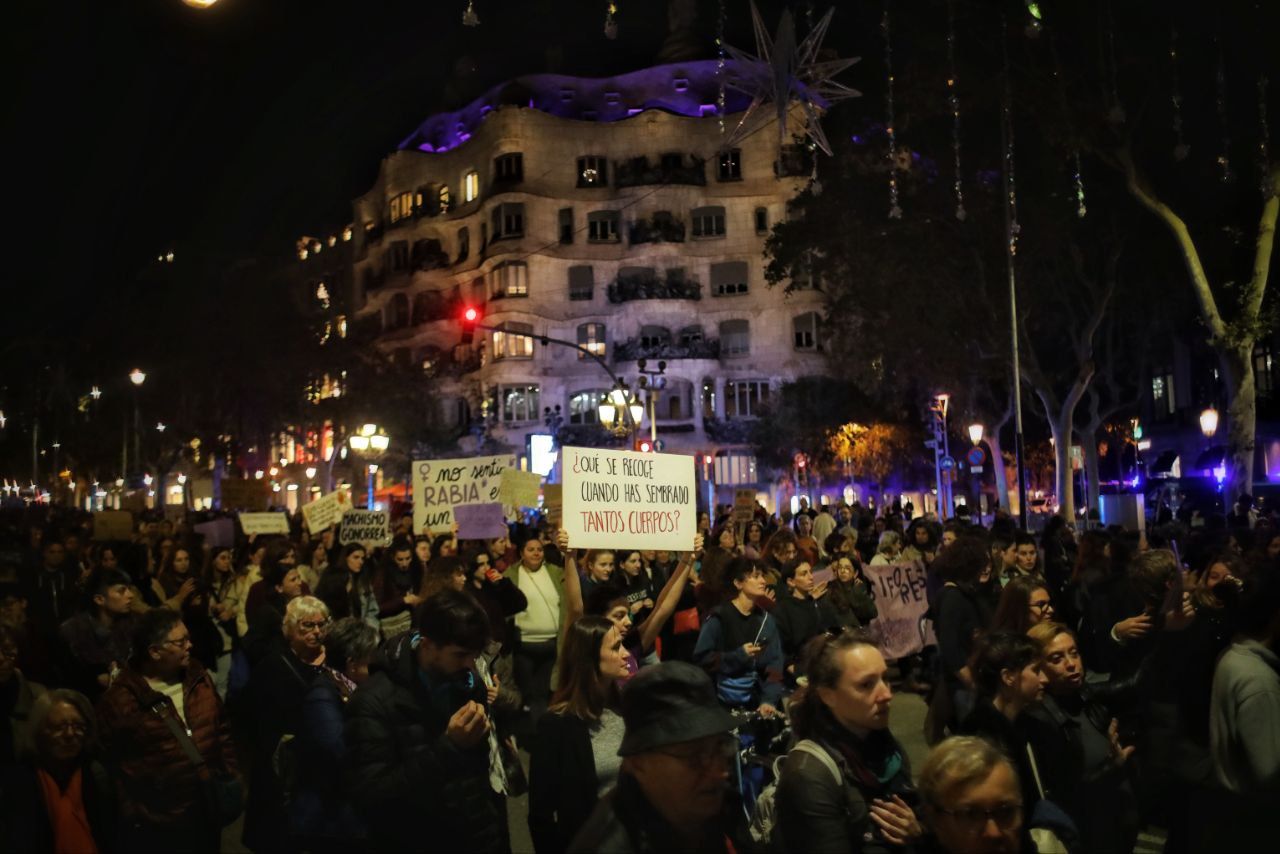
{"x":657,"y":229}
{"x":638,"y":172}
{"x":636,"y":348}
{"x":669,"y":285}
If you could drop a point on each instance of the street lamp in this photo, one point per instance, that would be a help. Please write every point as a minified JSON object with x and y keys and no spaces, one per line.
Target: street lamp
{"x":976,"y":432}
{"x":620,"y":412}
{"x":1209,"y":422}
{"x":372,"y":442}
{"x":137,"y":376}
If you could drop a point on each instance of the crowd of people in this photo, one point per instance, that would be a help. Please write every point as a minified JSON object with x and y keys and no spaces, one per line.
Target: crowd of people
{"x":156,"y":690}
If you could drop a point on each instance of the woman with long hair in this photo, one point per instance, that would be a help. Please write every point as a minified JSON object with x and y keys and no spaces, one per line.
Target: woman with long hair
{"x":849,"y":590}
{"x":1024,"y":603}
{"x":575,"y":753}
{"x":176,"y":580}
{"x":346,"y":587}
{"x":841,"y":719}
{"x":753,"y":540}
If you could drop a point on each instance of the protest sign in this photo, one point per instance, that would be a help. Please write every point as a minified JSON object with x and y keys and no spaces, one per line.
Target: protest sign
{"x":218,"y":533}
{"x":625,"y":499}
{"x":324,"y":513}
{"x":441,"y":485}
{"x":112,"y":525}
{"x":744,"y":505}
{"x":264,"y":523}
{"x":553,"y":496}
{"x":899,"y":590}
{"x":369,"y":528}
{"x":240,"y":494}
{"x":519,"y":488}
{"x":480,"y":521}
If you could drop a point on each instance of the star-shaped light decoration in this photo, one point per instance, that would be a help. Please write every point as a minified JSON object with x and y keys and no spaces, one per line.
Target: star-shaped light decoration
{"x":781,"y":72}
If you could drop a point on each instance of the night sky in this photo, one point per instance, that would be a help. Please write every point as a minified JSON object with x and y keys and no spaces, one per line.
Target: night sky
{"x":141,"y":126}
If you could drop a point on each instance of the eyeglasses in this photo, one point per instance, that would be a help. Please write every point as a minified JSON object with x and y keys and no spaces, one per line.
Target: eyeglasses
{"x":720,"y":752}
{"x":1041,"y":606}
{"x":974,"y":819}
{"x":181,"y":643}
{"x":314,"y":625}
{"x":68,"y":728}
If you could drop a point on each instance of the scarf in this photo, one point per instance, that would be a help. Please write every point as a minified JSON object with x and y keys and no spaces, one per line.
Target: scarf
{"x":67,"y":815}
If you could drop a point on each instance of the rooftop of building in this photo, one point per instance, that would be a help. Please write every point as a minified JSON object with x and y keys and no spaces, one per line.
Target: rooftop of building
{"x":689,"y":89}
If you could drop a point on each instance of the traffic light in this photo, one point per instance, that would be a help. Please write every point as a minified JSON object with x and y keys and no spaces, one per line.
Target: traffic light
{"x":470,"y":317}
{"x":644,"y":446}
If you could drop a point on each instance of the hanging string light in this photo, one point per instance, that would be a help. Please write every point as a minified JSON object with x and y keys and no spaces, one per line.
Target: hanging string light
{"x":895,"y":212}
{"x":1078,"y":177}
{"x":610,"y":20}
{"x":1264,"y":134}
{"x":953,"y":101}
{"x":1010,"y":178}
{"x":1224,"y":159}
{"x":720,"y":58}
{"x":1180,"y":147}
{"x":469,"y":17}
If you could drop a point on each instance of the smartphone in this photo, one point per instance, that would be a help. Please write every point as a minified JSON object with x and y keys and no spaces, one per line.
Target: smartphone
{"x":823,"y":576}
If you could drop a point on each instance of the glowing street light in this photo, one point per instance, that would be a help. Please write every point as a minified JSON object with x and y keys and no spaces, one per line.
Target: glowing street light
{"x":1208,"y":423}
{"x":137,"y":376}
{"x":975,"y":433}
{"x":199,"y":4}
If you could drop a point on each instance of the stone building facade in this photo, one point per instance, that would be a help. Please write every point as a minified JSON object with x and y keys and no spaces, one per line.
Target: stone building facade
{"x":602,"y":212}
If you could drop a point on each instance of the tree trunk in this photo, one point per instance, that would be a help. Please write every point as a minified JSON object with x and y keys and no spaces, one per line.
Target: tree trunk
{"x":1242,"y":417}
{"x":1063,"y":485}
{"x":1089,"y":441}
{"x":997,"y":466}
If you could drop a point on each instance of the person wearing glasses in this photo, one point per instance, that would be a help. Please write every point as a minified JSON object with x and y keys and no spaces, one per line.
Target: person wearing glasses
{"x":678,"y":753}
{"x":60,"y":798}
{"x":165,"y":733}
{"x":274,"y":698}
{"x":847,"y":785}
{"x":971,"y":800}
{"x":1024,"y":603}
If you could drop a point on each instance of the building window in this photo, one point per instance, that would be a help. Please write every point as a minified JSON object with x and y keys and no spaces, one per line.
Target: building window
{"x":513,"y":341}
{"x":507,"y":220}
{"x":566,"y":225}
{"x":1262,"y":377}
{"x":730,"y":165}
{"x":672,"y":161}
{"x":581,"y":283}
{"x":691,"y":336}
{"x":708,"y":397}
{"x":593,"y":171}
{"x":745,"y":398}
{"x":805,"y":331}
{"x":509,"y":279}
{"x":464,"y":244}
{"x":471,"y":186}
{"x":443,"y":198}
{"x":398,"y":256}
{"x":762,"y":220}
{"x":728,"y":278}
{"x":583,"y":404}
{"x":591,"y":338}
{"x":733,"y":469}
{"x":509,"y":167}
{"x":602,"y":227}
{"x":401,"y":207}
{"x":517,"y":403}
{"x":397,"y":316}
{"x":654,"y":336}
{"x":735,"y":337}
{"x":708,"y":221}
{"x":1163,"y":402}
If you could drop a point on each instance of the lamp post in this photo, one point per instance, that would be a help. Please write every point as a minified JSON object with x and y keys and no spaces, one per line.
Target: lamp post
{"x":1209,"y":426}
{"x":976,"y":432}
{"x":370,"y":442}
{"x":137,"y":376}
{"x":653,"y":382}
{"x":620,"y":412}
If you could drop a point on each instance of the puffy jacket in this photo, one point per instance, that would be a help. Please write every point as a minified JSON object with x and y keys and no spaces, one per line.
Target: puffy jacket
{"x":158,"y":783}
{"x":411,"y":785}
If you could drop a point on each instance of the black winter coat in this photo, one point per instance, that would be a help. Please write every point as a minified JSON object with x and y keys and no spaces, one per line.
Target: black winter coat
{"x":413,"y":787}
{"x":24,"y":818}
{"x":562,"y":782}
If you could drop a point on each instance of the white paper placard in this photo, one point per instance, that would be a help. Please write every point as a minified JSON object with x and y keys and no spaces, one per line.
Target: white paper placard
{"x":626,"y":499}
{"x":441,"y":485}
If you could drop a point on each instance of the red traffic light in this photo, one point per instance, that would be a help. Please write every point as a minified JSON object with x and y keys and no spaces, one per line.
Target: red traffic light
{"x":471,"y":314}
{"x":644,"y":446}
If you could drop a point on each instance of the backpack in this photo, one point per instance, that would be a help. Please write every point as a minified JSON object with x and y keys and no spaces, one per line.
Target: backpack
{"x":765,"y":814}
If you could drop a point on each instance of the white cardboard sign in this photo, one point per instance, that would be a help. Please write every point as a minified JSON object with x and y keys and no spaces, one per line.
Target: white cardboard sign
{"x":441,"y":485}
{"x":369,"y":528}
{"x":626,"y":499}
{"x":324,"y":513}
{"x":264,"y":523}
